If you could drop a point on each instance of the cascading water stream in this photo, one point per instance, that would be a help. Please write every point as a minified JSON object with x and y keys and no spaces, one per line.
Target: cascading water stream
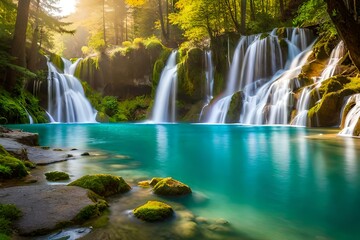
{"x":165,"y":100}
{"x":209,"y":74}
{"x":218,"y":110}
{"x":260,"y":71}
{"x":330,"y":70}
{"x":273,"y":101}
{"x":352,"y":117}
{"x":66,"y":97}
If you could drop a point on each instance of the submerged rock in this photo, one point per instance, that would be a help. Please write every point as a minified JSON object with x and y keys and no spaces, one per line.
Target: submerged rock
{"x":153,"y":211}
{"x":171,"y":187}
{"x":102,"y":184}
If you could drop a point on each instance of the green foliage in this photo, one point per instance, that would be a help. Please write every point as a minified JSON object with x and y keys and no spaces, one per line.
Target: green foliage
{"x":5,"y":226}
{"x":133,"y":109}
{"x":314,"y":13}
{"x":56,"y":176}
{"x":13,"y":107}
{"x":264,"y":22}
{"x":8,"y":213}
{"x":96,"y":42}
{"x":102,"y":184}
{"x":110,"y":105}
{"x":153,"y":211}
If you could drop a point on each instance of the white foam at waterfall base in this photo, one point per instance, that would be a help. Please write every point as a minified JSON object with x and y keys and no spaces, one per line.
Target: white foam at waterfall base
{"x":352,"y":117}
{"x":330,"y":70}
{"x":165,"y":99}
{"x":66,"y":98}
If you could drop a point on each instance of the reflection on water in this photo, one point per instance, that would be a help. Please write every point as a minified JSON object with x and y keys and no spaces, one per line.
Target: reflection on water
{"x":269,"y":182}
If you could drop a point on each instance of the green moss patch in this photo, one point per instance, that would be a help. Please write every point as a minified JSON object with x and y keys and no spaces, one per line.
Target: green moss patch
{"x":57,"y":176}
{"x":11,"y":167}
{"x":8,"y":214}
{"x":153,"y":211}
{"x":171,"y":187}
{"x":333,"y":91}
{"x":91,"y":211}
{"x":102,"y":184}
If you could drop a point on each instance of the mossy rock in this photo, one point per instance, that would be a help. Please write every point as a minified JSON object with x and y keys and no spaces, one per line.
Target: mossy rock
{"x":281,"y":32}
{"x":171,"y":187}
{"x":264,"y":35}
{"x":91,"y":211}
{"x":235,"y":108}
{"x":11,"y":167}
{"x":153,"y":211}
{"x":57,"y":176}
{"x":102,"y":184}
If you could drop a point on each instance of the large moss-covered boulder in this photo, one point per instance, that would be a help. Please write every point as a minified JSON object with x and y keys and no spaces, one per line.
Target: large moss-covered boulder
{"x":153,"y":211}
{"x":11,"y":167}
{"x":326,"y":111}
{"x":102,"y":184}
{"x":170,"y":187}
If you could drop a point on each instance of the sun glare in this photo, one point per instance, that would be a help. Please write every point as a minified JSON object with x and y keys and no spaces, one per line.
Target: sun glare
{"x":67,"y":7}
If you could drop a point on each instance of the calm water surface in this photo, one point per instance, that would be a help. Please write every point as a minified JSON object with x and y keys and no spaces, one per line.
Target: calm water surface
{"x":269,"y":182}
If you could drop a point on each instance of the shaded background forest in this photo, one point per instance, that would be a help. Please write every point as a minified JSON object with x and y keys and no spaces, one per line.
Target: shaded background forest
{"x":140,"y":34}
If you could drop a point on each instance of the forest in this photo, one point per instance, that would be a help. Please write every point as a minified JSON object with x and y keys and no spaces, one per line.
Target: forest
{"x":109,"y":32}
{"x":179,"y":119}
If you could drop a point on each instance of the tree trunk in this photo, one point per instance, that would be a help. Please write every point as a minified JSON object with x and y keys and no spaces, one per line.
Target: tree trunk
{"x":232,"y":15}
{"x":347,"y":27}
{"x":282,"y":10}
{"x":104,"y":27}
{"x":243,"y":17}
{"x":252,"y":10}
{"x":116,"y":21}
{"x":19,"y":41}
{"x":162,"y":23}
{"x":33,"y":58}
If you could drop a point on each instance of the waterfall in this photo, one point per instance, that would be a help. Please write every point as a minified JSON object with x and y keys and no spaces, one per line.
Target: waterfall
{"x":219,"y":109}
{"x":31,"y":120}
{"x":209,"y":75}
{"x":336,"y":54}
{"x":262,"y":68}
{"x":272,"y":103}
{"x":165,"y":99}
{"x":66,"y":97}
{"x":330,"y":70}
{"x":352,"y":117}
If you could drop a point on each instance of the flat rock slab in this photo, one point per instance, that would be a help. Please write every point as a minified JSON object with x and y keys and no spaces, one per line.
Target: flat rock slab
{"x":44,"y":206}
{"x":37,"y":155}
